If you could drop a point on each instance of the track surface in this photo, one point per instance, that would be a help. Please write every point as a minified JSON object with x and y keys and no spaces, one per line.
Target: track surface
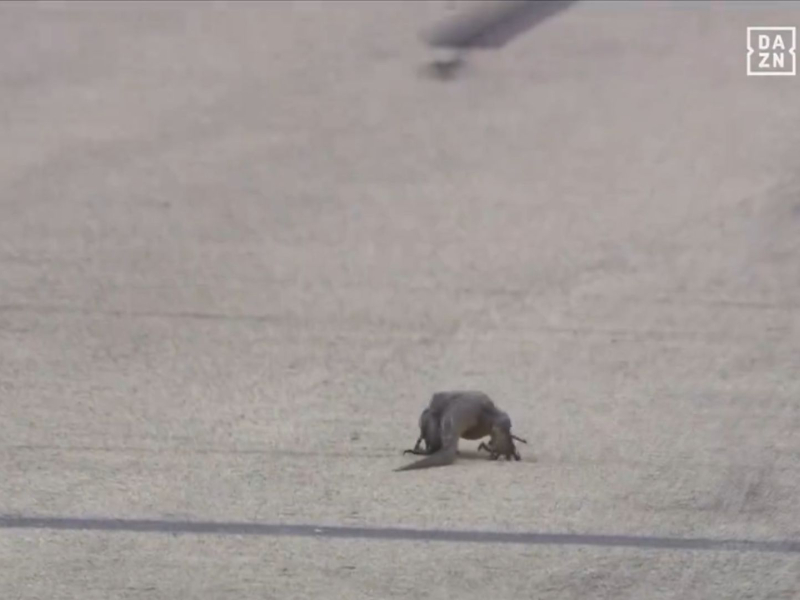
{"x":241,"y":245}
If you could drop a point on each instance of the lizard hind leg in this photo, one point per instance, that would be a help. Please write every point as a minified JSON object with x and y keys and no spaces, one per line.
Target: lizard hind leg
{"x":416,"y":448}
{"x":445,"y":454}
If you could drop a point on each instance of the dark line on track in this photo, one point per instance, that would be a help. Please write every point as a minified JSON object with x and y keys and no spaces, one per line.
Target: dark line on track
{"x":412,"y":335}
{"x":183,"y":450}
{"x":391,"y":533}
{"x":92,"y":312}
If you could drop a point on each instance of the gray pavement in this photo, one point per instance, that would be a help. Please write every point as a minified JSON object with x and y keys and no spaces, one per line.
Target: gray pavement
{"x":242,"y":244}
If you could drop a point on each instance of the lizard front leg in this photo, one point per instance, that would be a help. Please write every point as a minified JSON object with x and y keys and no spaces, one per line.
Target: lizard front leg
{"x":494,"y":455}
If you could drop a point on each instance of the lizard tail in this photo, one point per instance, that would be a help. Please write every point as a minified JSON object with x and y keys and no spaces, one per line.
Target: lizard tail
{"x":445,"y":456}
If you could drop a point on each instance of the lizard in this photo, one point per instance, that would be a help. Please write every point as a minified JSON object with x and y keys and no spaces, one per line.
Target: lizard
{"x":429,"y":426}
{"x":461,"y":414}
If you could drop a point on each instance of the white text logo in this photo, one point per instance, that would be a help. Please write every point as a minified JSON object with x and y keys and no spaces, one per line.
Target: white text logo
{"x":771,"y":50}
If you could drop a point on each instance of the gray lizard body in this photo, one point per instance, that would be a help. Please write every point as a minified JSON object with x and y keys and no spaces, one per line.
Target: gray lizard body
{"x":461,"y":414}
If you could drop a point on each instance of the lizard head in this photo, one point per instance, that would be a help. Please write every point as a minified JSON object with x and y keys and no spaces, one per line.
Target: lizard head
{"x":502,"y":442}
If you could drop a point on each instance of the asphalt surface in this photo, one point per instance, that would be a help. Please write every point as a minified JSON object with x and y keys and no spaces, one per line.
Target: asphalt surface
{"x":241,"y":246}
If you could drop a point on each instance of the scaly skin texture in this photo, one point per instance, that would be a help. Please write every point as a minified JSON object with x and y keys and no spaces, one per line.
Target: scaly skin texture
{"x":461,"y":414}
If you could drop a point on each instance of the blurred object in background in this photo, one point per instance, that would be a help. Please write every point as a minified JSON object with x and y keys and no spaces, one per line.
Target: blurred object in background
{"x":490,"y":25}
